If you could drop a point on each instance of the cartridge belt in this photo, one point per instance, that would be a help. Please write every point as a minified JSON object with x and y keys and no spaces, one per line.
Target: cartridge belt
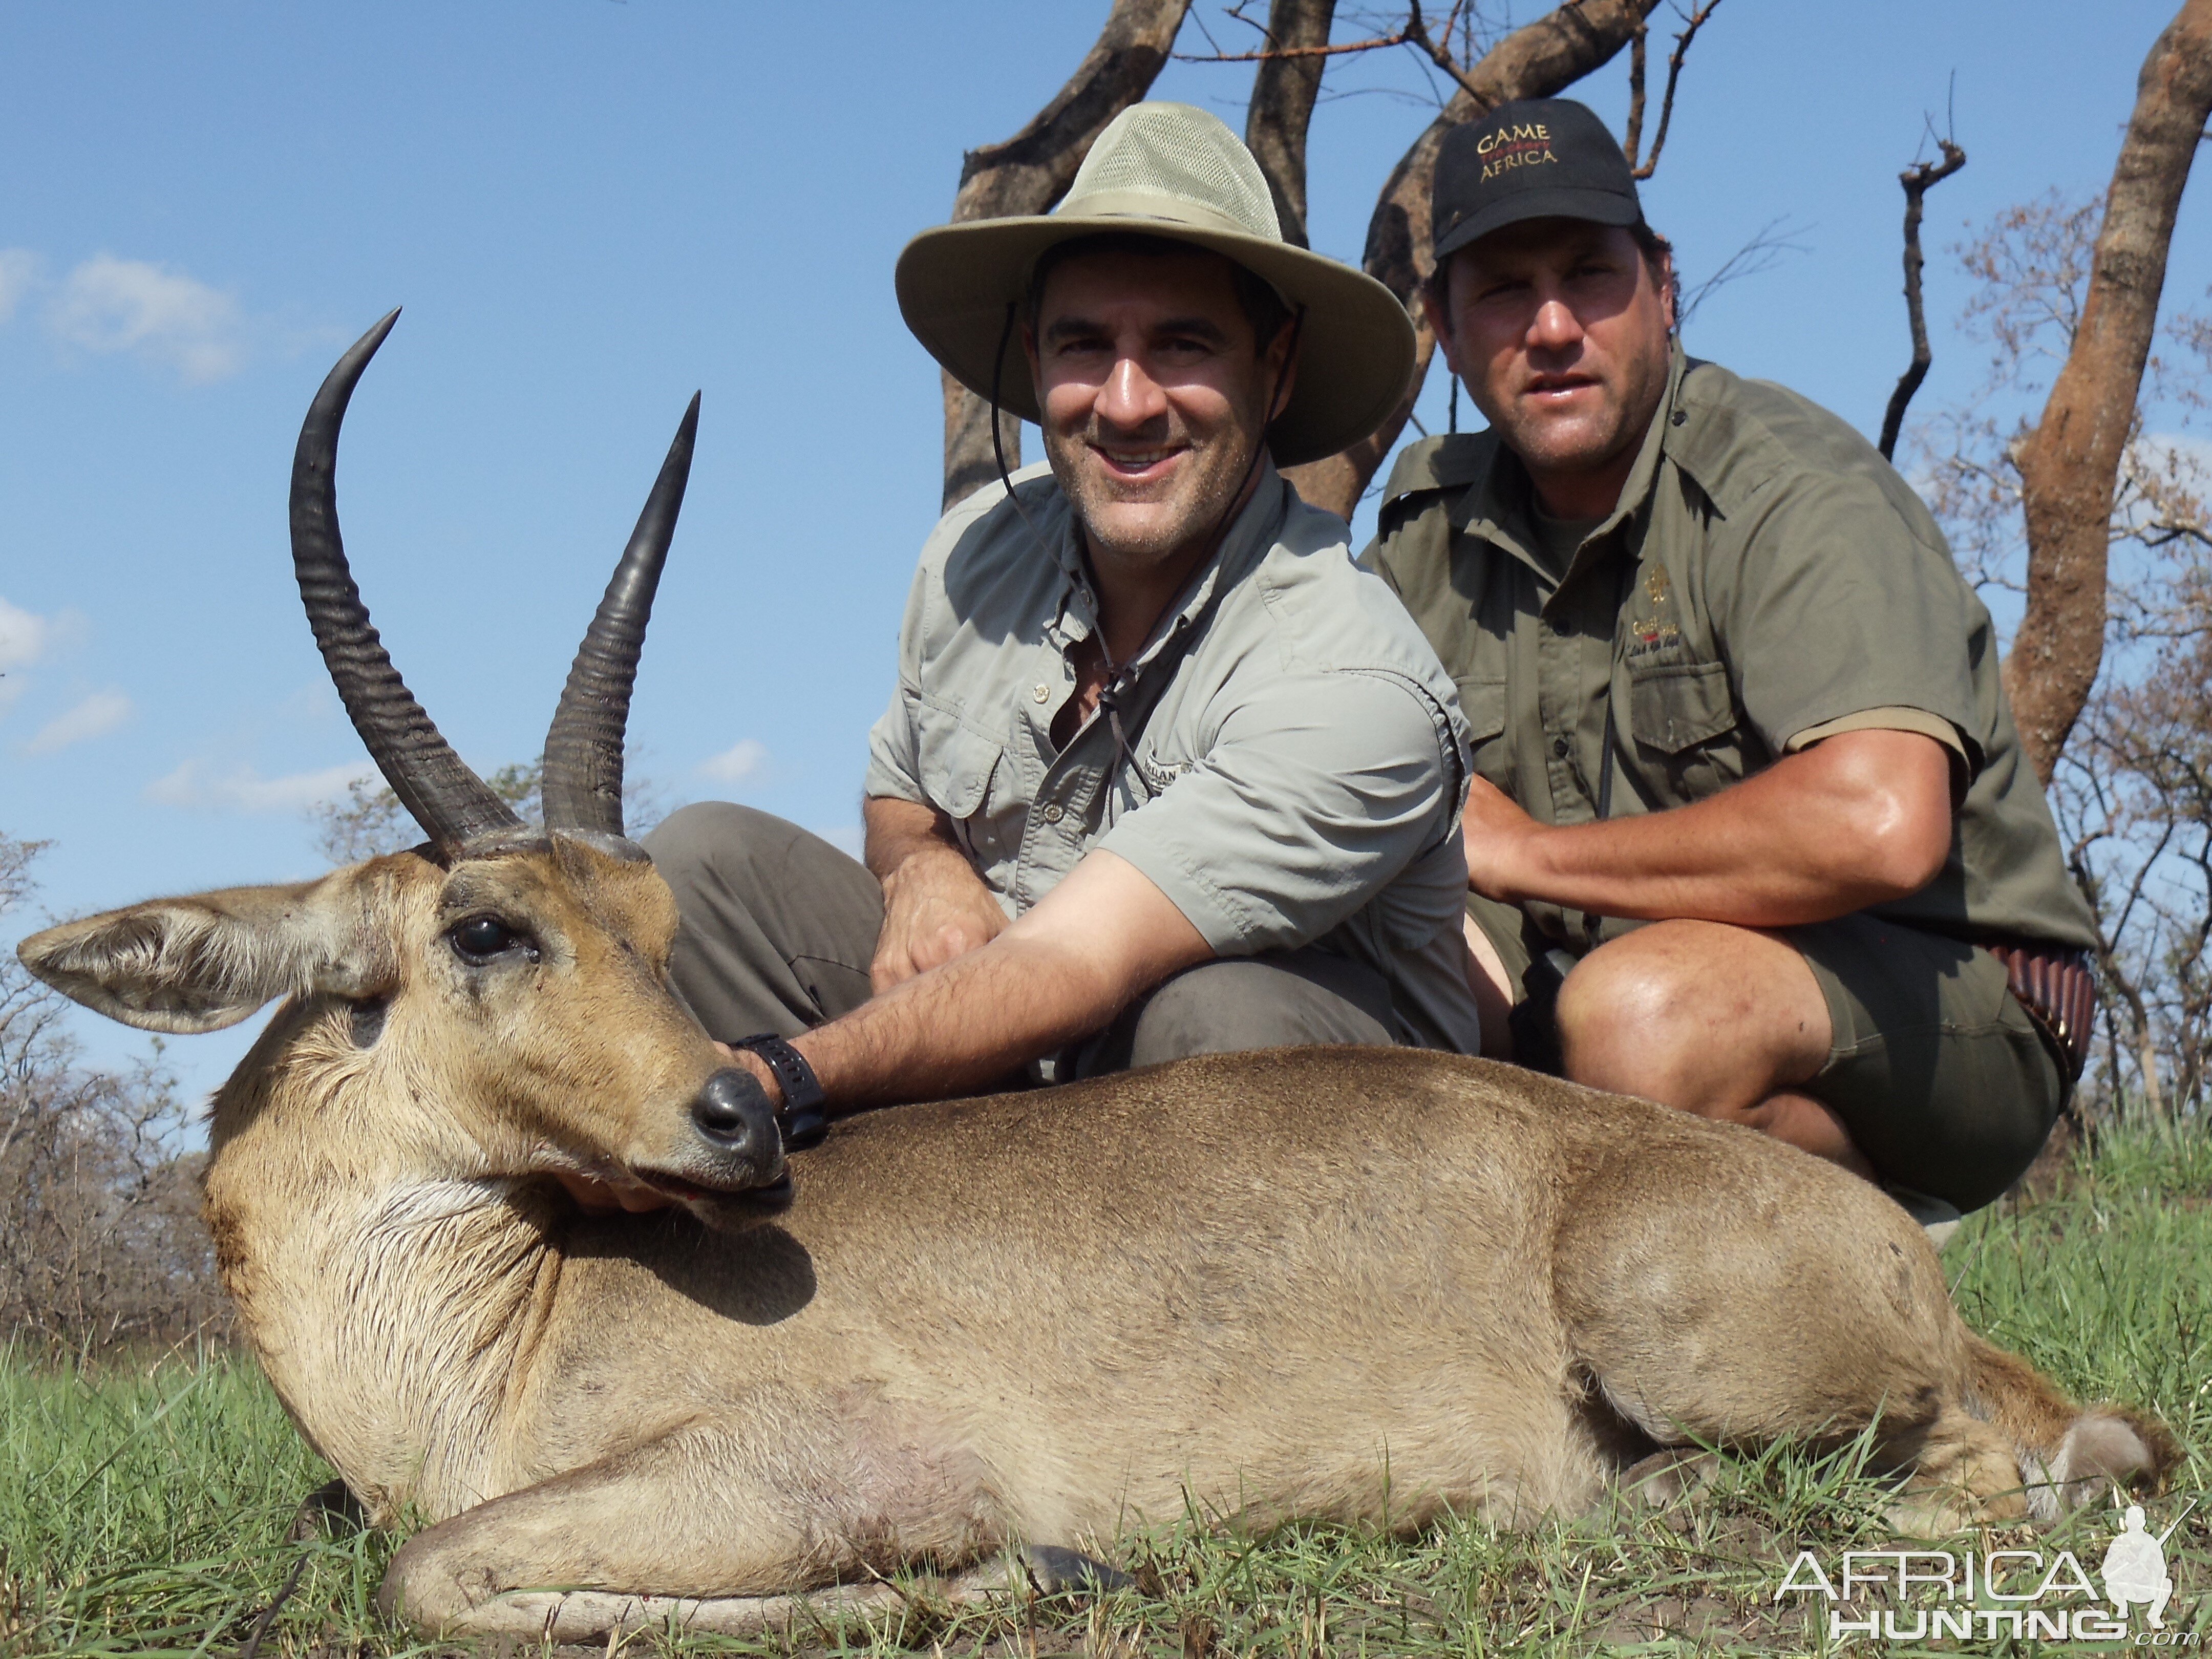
{"x":2058,"y":986}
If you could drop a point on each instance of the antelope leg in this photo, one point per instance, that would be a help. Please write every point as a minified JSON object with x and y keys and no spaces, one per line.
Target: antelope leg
{"x":568,"y":1618}
{"x":686,"y":1527}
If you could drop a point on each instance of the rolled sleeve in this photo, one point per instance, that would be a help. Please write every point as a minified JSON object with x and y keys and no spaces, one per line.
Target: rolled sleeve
{"x":1311,"y":801}
{"x":894,"y":752}
{"x":894,"y":763}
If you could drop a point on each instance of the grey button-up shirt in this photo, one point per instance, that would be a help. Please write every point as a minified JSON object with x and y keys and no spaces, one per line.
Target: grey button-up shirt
{"x":1299,"y":778}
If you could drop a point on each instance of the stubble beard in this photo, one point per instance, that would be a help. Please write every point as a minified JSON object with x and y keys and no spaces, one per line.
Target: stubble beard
{"x":1195,"y":508}
{"x":1627,"y":411}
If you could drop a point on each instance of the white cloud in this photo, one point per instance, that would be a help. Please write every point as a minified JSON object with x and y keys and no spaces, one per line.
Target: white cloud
{"x":740,"y":761}
{"x":23,"y":638}
{"x":102,"y":712}
{"x":108,"y":305}
{"x":19,"y":273}
{"x":200,"y":787}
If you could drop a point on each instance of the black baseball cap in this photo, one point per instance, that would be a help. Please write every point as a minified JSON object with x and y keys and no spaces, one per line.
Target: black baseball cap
{"x":1537,"y":158}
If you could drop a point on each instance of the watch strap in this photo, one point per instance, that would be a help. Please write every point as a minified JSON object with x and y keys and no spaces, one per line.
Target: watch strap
{"x":799,"y":1118}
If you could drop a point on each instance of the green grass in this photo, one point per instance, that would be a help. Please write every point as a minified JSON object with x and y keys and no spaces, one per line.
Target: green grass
{"x":147,"y":1509}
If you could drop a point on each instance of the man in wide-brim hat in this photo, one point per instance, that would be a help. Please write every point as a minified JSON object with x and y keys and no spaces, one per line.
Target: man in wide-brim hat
{"x":1164,"y":773}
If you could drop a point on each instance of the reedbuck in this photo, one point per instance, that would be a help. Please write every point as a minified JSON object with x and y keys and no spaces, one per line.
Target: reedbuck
{"x":1348,"y":1283}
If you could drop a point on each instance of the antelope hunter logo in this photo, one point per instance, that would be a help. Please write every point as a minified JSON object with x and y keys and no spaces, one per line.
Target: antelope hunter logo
{"x":2015,"y":1595}
{"x":1516,"y":144}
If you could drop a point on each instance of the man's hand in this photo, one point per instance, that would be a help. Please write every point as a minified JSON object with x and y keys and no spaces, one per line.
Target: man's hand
{"x":935,"y":907}
{"x":1496,"y":831}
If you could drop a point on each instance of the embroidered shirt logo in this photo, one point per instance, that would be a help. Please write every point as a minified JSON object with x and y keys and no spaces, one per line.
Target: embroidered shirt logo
{"x":1648,"y":635}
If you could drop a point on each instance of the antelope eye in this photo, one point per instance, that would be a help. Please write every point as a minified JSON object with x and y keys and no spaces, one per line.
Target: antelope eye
{"x":480,"y":938}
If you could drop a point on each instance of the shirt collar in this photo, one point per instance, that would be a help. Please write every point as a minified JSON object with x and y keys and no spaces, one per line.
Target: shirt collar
{"x":1250,"y":535}
{"x":1498,"y":504}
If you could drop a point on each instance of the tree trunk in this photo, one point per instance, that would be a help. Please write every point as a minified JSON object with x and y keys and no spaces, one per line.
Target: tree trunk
{"x":1546,"y":56}
{"x":2069,"y":463}
{"x":1031,"y":171}
{"x":1283,"y":94}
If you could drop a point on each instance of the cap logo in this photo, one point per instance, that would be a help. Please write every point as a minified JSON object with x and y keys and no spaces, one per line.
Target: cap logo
{"x":1521,"y":144}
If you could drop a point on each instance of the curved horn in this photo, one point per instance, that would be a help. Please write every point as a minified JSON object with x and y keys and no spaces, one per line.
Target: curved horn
{"x":583,"y":782}
{"x":450,"y":803}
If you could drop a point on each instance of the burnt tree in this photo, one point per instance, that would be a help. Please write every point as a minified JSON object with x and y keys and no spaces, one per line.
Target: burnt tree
{"x":2070,"y":461}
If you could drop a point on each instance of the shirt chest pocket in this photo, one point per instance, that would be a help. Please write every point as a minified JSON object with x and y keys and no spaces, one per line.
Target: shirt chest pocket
{"x":1676,"y":706}
{"x":959,"y":767}
{"x":1482,"y":702}
{"x":1683,"y":718}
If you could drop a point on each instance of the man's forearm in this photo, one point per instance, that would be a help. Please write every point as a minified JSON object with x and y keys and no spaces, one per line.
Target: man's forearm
{"x":957,"y":1027}
{"x":1858,"y":820}
{"x":896,"y":830}
{"x":1104,"y":935}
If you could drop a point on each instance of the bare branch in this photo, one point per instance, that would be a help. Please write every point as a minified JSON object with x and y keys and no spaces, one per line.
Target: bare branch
{"x":1917,"y":180}
{"x":1296,"y":53}
{"x":1633,"y":142}
{"x":1280,"y":48}
{"x":1032,"y":170}
{"x":1649,"y":164}
{"x":1773,"y":240}
{"x":1417,"y":33}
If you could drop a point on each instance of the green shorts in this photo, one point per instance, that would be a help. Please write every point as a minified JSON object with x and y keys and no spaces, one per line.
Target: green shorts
{"x":1942,"y":1079}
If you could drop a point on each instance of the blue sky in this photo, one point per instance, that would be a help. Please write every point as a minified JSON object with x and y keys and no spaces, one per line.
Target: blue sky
{"x":589,"y":210}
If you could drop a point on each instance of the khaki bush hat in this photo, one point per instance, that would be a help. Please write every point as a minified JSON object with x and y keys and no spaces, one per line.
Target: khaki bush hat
{"x":1172,"y":171}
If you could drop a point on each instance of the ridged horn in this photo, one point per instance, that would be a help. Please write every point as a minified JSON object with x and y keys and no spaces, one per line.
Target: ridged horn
{"x":583,"y":784}
{"x":452,"y":804}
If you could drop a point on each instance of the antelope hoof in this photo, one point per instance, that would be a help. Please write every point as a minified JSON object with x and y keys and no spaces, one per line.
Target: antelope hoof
{"x":1667,"y":1479}
{"x":1059,"y":1570}
{"x":424,"y":1585}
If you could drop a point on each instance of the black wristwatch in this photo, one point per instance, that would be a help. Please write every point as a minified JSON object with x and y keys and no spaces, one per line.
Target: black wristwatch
{"x":799,"y":1117}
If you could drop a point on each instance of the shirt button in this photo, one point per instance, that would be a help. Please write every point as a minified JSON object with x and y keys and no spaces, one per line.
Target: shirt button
{"x":1053,"y":813}
{"x":1559,"y":747}
{"x":1042,"y":694}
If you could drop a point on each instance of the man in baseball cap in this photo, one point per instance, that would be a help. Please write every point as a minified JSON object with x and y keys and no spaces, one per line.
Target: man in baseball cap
{"x":1164,"y":772}
{"x":1751,"y":835}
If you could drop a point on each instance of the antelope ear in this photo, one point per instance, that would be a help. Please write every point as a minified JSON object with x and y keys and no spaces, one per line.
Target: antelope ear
{"x":186,"y":965}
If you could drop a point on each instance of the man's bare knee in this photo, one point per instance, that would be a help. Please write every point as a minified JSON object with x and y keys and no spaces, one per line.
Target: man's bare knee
{"x":1621,"y":1017}
{"x":1701,"y":1015}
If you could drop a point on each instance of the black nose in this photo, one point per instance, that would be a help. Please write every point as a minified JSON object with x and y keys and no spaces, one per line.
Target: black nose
{"x":732,"y":1111}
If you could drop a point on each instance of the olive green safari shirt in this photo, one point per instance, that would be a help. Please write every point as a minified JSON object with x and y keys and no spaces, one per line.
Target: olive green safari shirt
{"x":1766,"y":581}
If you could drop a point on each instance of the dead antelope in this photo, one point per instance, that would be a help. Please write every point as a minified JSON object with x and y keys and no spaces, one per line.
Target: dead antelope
{"x":1345,"y":1283}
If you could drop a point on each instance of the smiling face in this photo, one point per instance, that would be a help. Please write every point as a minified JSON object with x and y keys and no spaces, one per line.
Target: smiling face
{"x":1156,"y":397}
{"x":1559,"y":328}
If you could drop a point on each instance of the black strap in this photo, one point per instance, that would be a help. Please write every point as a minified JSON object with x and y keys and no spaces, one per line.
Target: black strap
{"x":1592,"y":923}
{"x":799,"y":1118}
